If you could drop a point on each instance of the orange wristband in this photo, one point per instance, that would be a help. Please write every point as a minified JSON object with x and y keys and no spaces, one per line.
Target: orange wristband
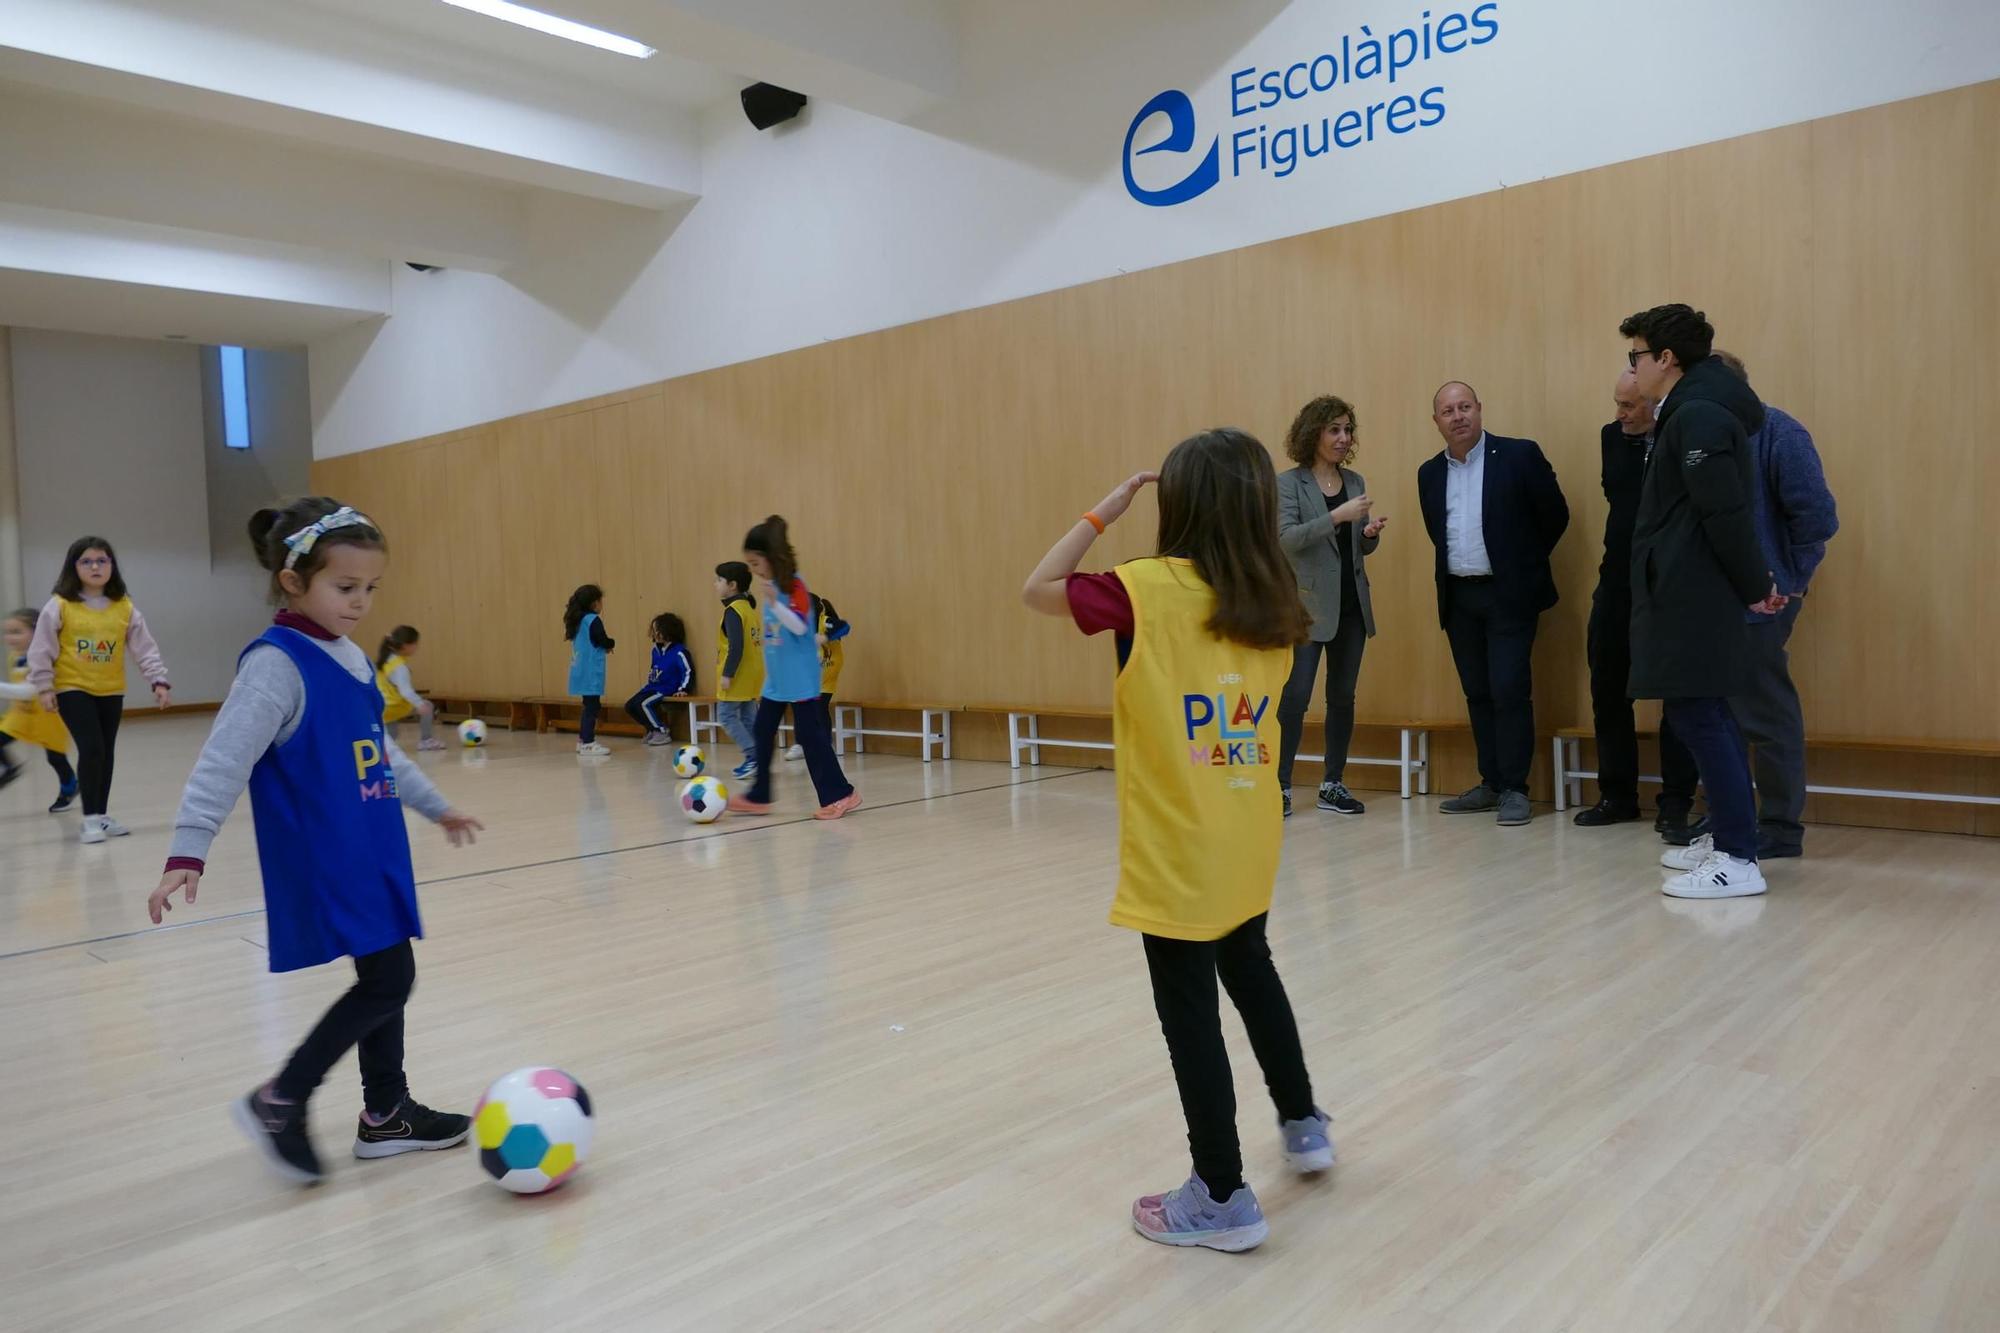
{"x":1094,"y":521}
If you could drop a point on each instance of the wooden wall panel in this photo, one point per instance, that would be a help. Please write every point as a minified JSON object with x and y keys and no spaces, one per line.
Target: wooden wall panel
{"x":925,"y":468}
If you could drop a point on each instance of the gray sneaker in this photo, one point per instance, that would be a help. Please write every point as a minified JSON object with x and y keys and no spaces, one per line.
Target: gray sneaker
{"x":1480,"y":798}
{"x":1189,"y":1216}
{"x":1514,"y":809}
{"x":1308,"y":1142}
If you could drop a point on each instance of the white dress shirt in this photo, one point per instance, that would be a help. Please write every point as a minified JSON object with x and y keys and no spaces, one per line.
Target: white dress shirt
{"x":1465,"y":512}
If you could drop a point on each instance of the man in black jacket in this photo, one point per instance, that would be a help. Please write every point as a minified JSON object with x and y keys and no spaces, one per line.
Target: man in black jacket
{"x":1696,"y":564}
{"x":1494,"y":512}
{"x":1624,"y":445}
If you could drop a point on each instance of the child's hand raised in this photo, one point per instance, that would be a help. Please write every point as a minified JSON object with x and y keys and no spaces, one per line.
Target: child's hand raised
{"x":161,"y":900}
{"x":461,"y":828}
{"x":1113,"y":506}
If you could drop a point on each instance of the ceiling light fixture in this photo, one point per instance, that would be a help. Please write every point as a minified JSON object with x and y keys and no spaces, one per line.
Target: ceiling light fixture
{"x":509,"y":12}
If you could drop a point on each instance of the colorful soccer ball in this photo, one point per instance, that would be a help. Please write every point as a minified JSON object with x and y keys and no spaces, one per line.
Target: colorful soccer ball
{"x":533,"y":1128}
{"x":689,"y":761}
{"x":472,"y":732}
{"x":704,"y":800}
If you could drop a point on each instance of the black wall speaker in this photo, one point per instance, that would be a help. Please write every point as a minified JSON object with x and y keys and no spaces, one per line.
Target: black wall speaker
{"x":767,"y":104}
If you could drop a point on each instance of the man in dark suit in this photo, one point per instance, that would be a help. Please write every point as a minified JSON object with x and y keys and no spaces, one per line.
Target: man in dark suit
{"x":1494,"y":511}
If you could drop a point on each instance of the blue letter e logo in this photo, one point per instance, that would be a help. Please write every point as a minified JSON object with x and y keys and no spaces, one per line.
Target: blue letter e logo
{"x":1180,"y":139}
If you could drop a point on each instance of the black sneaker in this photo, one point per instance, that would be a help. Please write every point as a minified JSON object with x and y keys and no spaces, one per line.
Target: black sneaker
{"x":1771,"y":850}
{"x":1288,"y":803}
{"x":279,"y":1130}
{"x":1671,"y":823}
{"x":1334,"y":796}
{"x":65,"y":798}
{"x":412,"y":1127}
{"x":1607,"y":811}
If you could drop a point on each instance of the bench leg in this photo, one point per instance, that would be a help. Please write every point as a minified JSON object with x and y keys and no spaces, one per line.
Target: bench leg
{"x":1423,"y":763}
{"x":1562,"y":777}
{"x":1034,"y":736}
{"x":1013,"y":740}
{"x":1575,"y":767}
{"x":946,"y":716}
{"x":1405,"y":764}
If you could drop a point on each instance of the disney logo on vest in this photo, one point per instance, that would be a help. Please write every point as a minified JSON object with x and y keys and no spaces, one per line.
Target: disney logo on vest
{"x":1272,"y":135}
{"x":1237,"y":745}
{"x":368,"y":755}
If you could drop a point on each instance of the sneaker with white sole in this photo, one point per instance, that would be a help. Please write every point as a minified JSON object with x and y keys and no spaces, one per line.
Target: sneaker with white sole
{"x":658,"y":738}
{"x":93,"y":829}
{"x":1720,"y":875}
{"x":1308,"y":1142}
{"x":1334,"y":797}
{"x":1690,"y":856}
{"x":796,"y":752}
{"x":1189,"y":1216}
{"x":744,"y":771}
{"x":593,"y":748}
{"x":112,"y":828}
{"x":411,"y":1127}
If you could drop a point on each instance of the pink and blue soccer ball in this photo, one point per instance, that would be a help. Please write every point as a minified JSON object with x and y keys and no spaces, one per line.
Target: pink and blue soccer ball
{"x":533,"y":1128}
{"x":704,"y":800}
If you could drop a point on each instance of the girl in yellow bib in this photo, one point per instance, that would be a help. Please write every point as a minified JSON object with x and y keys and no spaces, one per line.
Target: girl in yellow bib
{"x":77,"y":666}
{"x":399,"y":695}
{"x":1205,"y":631}
{"x":25,"y":720}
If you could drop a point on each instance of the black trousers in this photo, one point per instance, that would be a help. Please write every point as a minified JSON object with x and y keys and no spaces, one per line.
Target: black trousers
{"x":370,"y":1018}
{"x":814,"y":730}
{"x":644,"y":708}
{"x":1343,"y":669}
{"x":93,"y":721}
{"x":1494,"y":651}
{"x":1610,"y":649}
{"x":1184,"y":975}
{"x":586,"y":729}
{"x":57,"y":760}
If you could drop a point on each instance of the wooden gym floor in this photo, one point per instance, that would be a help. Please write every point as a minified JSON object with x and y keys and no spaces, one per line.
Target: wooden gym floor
{"x":896,"y":1073}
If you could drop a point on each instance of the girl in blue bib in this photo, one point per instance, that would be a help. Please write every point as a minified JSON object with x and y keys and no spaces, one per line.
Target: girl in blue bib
{"x":327,"y":791}
{"x":589,"y":645}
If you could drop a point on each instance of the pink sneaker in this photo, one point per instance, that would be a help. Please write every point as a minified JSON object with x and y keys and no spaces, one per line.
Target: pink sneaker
{"x":851,"y":801}
{"x":743,"y":805}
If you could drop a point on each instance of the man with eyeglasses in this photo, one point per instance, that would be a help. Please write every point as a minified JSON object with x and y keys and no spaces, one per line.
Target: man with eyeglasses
{"x":1696,"y":564}
{"x":1623,"y":446}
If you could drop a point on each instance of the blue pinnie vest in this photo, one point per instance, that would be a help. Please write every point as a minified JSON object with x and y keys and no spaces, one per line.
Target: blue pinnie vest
{"x":586,"y":660}
{"x":330,"y":835}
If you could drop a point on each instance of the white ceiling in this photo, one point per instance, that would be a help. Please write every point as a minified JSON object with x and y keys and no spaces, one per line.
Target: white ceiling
{"x":168,"y":162}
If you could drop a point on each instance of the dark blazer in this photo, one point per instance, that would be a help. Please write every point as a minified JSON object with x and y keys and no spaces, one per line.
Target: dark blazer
{"x":1696,"y":560}
{"x":1524,"y":517}
{"x":1305,"y":531}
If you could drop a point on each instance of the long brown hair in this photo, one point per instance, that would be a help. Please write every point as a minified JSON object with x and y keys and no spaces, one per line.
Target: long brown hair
{"x":772,"y":540}
{"x":1219,"y":510}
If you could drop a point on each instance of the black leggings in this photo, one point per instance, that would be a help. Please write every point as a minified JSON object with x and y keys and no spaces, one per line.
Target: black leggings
{"x":57,"y":760}
{"x":814,"y":733}
{"x":93,"y":720}
{"x":370,"y":1017}
{"x":1184,"y":973}
{"x":586,"y":730}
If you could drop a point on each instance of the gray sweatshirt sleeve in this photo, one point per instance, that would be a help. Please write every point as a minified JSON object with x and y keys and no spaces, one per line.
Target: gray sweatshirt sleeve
{"x":266,"y":701}
{"x":264,"y":707}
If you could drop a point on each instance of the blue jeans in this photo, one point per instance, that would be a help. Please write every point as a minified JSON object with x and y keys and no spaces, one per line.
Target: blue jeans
{"x":738,"y":718}
{"x":1708,"y":729}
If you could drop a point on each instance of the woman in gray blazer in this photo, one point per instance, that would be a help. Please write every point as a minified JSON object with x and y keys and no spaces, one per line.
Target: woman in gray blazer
{"x":1326,"y":529}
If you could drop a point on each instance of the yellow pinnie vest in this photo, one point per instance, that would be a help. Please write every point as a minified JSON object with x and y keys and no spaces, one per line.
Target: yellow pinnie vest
{"x":748,"y":682}
{"x":1195,"y":720}
{"x":26,"y":721}
{"x":394,"y":706}
{"x":832,"y":656}
{"x":93,"y":648}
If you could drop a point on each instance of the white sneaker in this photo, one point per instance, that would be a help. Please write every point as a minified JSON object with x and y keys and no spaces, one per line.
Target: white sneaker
{"x":1690,"y":856}
{"x":593,"y":748}
{"x":112,"y":827}
{"x":93,"y":829}
{"x":1720,"y":876}
{"x":796,"y":752}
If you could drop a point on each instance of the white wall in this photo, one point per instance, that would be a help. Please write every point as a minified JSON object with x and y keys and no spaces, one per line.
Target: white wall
{"x":846,"y":223}
{"x":110,"y":442}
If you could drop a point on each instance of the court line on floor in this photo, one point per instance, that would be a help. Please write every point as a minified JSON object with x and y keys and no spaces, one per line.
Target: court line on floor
{"x":763,"y":826}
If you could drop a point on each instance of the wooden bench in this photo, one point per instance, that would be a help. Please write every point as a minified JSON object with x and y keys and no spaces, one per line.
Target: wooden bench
{"x":520,"y":714}
{"x":1413,"y":762}
{"x":849,"y":721}
{"x":1570,"y":772}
